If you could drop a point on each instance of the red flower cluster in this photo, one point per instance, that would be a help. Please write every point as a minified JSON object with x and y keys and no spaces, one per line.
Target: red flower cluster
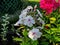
{"x":59,"y":2}
{"x":49,"y":5}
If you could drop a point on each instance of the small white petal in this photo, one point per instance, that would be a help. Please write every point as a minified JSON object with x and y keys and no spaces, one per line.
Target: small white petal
{"x":29,"y":7}
{"x":39,"y":13}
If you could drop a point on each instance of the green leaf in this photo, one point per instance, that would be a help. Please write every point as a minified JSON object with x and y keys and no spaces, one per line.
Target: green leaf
{"x":44,"y":43}
{"x":57,"y":39}
{"x":25,"y":33}
{"x":47,"y":36}
{"x":17,"y":39}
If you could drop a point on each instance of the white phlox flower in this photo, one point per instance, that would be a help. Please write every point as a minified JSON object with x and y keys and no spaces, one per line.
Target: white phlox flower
{"x":34,"y":34}
{"x":29,"y":21}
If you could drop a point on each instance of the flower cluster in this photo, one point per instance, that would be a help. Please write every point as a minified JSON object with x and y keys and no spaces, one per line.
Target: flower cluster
{"x":29,"y":18}
{"x":49,"y":5}
{"x":23,"y":16}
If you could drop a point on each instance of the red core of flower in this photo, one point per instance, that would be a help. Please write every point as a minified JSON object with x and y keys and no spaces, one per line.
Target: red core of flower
{"x":33,"y":33}
{"x":29,"y":20}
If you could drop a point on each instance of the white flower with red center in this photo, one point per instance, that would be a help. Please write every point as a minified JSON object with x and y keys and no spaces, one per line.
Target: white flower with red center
{"x":34,"y":34}
{"x":29,"y":21}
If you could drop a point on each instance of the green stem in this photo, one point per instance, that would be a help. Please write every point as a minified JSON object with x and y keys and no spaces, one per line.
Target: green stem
{"x":54,"y":43}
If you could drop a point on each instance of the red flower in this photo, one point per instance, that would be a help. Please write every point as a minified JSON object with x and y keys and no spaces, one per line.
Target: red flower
{"x":48,"y":5}
{"x":59,"y":2}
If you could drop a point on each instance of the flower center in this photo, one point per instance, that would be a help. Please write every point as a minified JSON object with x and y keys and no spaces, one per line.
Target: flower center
{"x":29,"y":20}
{"x":33,"y":33}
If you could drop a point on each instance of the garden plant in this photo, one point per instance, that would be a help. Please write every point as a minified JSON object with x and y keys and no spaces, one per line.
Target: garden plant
{"x":37,"y":24}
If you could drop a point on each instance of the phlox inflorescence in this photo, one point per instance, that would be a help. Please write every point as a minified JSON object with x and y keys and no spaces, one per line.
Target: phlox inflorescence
{"x":31,"y":21}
